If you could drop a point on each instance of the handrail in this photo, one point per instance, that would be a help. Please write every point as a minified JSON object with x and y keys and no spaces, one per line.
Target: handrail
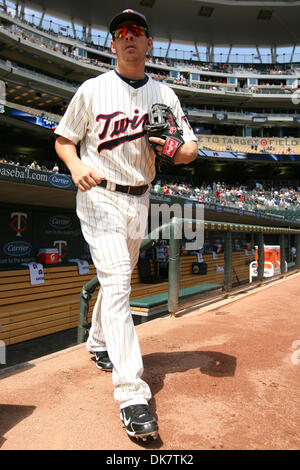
{"x":174,"y":259}
{"x":228,"y":229}
{"x":89,"y":288}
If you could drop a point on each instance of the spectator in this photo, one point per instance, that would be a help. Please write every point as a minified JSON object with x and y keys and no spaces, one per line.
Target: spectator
{"x":34,"y":165}
{"x":293,"y":253}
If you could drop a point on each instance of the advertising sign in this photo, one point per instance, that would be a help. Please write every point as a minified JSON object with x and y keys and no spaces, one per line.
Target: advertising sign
{"x":26,"y":231}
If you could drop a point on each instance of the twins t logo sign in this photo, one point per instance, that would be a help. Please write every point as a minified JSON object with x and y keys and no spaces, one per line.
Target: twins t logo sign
{"x":18,"y":222}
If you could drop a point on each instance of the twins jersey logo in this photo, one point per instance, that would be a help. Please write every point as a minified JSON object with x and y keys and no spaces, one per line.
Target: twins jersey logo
{"x":117,"y":129}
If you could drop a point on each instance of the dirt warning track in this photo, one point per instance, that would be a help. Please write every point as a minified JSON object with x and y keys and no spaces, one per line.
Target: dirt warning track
{"x":223,"y":377}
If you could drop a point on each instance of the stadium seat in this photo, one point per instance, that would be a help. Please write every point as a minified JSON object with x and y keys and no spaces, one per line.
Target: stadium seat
{"x":150,"y":305}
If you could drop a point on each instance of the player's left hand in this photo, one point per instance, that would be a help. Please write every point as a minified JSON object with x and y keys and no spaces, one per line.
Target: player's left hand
{"x":160,"y":143}
{"x":185,"y":154}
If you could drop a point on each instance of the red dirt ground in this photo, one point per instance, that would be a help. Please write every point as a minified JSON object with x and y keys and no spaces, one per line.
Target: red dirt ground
{"x":223,"y":377}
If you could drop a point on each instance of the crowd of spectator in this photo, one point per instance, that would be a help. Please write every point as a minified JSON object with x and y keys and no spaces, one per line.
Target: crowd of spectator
{"x":239,"y":196}
{"x":240,"y":64}
{"x":33,"y":165}
{"x":214,"y":84}
{"x":257,"y":197}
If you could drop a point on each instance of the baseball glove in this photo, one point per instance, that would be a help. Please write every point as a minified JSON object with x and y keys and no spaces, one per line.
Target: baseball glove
{"x":162,"y":123}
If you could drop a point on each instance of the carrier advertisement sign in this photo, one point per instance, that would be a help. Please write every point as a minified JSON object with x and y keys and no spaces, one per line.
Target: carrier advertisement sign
{"x":16,"y":237}
{"x":23,"y":174}
{"x":60,"y":230}
{"x":26,"y":231}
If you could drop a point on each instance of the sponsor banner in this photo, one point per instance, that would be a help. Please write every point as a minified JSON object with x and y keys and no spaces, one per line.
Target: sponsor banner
{"x":60,"y":181}
{"x":61,"y":231}
{"x":17,"y":248}
{"x":157,"y":198}
{"x":162,"y":199}
{"x":16,"y":236}
{"x":22,"y":174}
{"x":231,"y":210}
{"x":60,"y":222}
{"x":274,"y":158}
{"x":36,"y":177}
{"x":220,"y":116}
{"x":275,"y":145}
{"x":215,"y":154}
{"x":12,"y":172}
{"x":260,"y":119}
{"x":25,"y":231}
{"x":47,"y":122}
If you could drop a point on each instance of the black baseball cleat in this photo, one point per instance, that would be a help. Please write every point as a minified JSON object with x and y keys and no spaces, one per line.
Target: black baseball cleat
{"x":139,"y":422}
{"x":103,"y":361}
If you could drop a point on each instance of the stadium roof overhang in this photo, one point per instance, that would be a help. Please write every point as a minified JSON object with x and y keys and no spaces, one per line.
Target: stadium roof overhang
{"x":211,"y":23}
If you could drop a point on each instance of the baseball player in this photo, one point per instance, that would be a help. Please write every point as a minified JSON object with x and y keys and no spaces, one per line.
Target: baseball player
{"x":113,"y":174}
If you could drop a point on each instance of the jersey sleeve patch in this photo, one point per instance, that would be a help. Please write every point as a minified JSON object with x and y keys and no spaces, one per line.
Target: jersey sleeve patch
{"x":185,"y":119}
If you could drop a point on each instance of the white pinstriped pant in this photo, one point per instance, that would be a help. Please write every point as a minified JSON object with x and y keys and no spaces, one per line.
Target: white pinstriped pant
{"x":114,"y":225}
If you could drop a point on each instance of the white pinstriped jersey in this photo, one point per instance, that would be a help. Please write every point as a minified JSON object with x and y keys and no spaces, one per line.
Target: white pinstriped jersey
{"x":107,"y":115}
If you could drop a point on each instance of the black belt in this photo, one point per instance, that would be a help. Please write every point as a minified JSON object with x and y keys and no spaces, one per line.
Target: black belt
{"x":133,"y":190}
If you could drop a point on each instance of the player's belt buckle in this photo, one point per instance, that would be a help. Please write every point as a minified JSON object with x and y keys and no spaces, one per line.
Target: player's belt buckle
{"x":132,"y":190}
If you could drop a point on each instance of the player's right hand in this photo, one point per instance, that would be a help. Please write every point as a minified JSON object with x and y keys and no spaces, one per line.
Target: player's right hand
{"x":85,"y":177}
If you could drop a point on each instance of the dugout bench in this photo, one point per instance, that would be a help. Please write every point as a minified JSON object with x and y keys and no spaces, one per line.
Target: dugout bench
{"x":157,"y":304}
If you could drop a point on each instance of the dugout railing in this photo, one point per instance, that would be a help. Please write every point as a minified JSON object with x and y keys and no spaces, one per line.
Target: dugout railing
{"x":174,"y":228}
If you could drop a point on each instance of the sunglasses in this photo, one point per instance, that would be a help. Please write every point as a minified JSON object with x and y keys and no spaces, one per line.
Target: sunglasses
{"x":135,"y":29}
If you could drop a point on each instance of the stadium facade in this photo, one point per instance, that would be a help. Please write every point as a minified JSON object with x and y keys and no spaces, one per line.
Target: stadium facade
{"x":245,"y":114}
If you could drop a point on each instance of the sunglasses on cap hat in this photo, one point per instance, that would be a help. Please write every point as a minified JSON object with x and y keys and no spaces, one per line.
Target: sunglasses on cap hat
{"x":135,"y":29}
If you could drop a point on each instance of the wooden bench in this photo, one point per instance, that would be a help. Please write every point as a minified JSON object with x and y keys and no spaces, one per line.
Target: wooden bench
{"x":154,"y":304}
{"x":189,"y":282}
{"x":240,"y":269}
{"x":291,"y":265}
{"x":31,"y":311}
{"x":28,"y":311}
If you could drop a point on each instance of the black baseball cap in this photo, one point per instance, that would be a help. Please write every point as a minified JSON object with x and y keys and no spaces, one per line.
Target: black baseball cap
{"x":128,"y":14}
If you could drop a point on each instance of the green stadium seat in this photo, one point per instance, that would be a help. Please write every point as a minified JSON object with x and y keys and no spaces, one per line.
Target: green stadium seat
{"x":146,"y":306}
{"x":291,"y":265}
